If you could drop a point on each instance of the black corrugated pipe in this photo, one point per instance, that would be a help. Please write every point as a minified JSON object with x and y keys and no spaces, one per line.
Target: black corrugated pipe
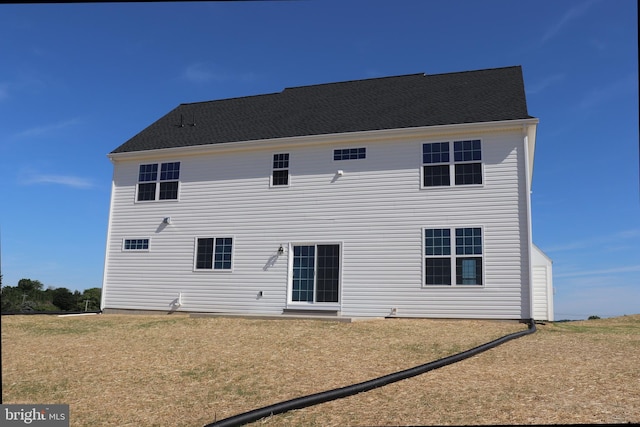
{"x":350,"y":390}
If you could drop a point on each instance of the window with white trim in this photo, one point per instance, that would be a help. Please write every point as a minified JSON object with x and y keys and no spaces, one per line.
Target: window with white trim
{"x":158,"y":186}
{"x":213,"y":253}
{"x":444,"y":266}
{"x":135,"y":245}
{"x":280,"y":175}
{"x":440,"y":169}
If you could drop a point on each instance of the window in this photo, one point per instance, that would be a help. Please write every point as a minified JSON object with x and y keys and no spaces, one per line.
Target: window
{"x":280,"y":175}
{"x":437,"y":162}
{"x":349,"y":153}
{"x":435,"y":156}
{"x":468,"y":264}
{"x":438,"y":256}
{"x":162,"y":186}
{"x":440,"y":261}
{"x":468,"y":166}
{"x":214,"y":253}
{"x":136,"y":244}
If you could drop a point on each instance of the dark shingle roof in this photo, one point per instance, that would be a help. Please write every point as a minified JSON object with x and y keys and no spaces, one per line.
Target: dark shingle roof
{"x":407,"y":101}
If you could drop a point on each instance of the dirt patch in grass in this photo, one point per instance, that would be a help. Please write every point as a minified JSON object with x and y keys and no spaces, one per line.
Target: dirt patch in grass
{"x":175,"y":370}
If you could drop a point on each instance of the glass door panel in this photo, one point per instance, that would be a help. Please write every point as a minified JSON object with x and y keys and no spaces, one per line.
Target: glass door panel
{"x":316,"y":273}
{"x":303,"y":273}
{"x":328,"y":273}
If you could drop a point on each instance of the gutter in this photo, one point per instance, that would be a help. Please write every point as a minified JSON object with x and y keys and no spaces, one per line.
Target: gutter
{"x":355,"y":137}
{"x":529,"y":144}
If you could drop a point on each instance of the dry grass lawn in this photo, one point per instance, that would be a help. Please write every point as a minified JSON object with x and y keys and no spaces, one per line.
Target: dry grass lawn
{"x":118,"y":370}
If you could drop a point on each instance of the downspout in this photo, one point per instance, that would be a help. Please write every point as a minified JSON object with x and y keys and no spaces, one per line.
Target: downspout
{"x":339,"y":393}
{"x":529,"y":143}
{"x":108,"y":245}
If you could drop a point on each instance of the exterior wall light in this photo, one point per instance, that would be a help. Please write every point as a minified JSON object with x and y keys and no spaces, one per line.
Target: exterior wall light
{"x":167,"y":220}
{"x":280,"y":250}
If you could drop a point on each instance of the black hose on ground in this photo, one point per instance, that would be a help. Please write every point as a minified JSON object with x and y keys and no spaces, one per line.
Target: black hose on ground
{"x":339,"y":393}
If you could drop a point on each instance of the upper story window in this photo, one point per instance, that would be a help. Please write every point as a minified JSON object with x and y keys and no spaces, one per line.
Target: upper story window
{"x":467,"y":157}
{"x":463,"y":266}
{"x":349,"y":153}
{"x":280,"y":176}
{"x":158,"y":186}
{"x":435,"y":157}
{"x":440,"y":169}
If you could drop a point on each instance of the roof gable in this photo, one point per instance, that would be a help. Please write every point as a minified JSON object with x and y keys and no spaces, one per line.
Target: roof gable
{"x":413,"y":100}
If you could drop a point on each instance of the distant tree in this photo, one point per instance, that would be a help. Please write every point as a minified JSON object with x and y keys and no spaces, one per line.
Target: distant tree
{"x":63,"y":299}
{"x":593,"y":317}
{"x":90,"y":299}
{"x":28,"y":286}
{"x":30,"y":295}
{"x":10,"y":299}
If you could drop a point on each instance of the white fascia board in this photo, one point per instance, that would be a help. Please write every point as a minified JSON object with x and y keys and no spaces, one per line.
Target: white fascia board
{"x":347,"y":137}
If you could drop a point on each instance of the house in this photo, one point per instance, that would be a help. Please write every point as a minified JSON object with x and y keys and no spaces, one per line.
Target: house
{"x":402,"y":196}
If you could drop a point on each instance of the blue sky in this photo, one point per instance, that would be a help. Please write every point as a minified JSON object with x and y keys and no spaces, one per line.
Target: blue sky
{"x":78,"y":80}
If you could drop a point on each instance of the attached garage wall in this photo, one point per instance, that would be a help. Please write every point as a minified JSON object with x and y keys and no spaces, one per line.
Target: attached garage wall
{"x":542,"y":286}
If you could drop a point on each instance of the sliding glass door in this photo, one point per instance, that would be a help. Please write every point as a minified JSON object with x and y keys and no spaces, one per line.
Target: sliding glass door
{"x":316,"y":273}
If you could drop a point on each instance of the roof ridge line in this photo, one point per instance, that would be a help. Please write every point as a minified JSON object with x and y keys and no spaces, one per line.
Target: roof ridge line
{"x":229,"y":99}
{"x":474,"y":71}
{"x":299,"y":87}
{"x":354,"y":81}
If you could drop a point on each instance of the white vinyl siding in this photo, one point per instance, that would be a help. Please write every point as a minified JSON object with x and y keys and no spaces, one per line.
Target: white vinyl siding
{"x":542,"y":286}
{"x":376,"y":209}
